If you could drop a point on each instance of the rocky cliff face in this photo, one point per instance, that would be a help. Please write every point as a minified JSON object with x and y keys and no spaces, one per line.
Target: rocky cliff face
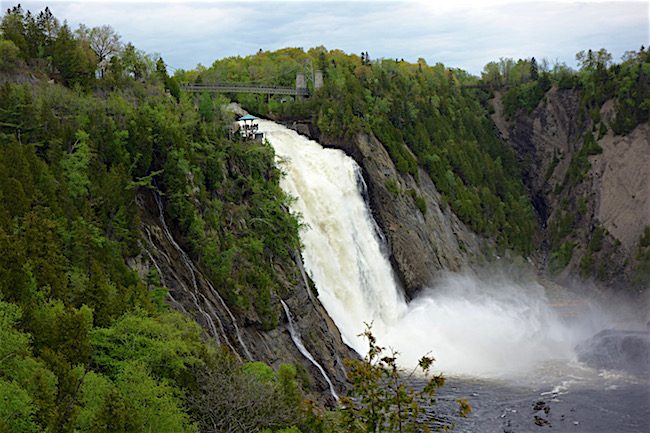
{"x":592,"y":204}
{"x":192,"y":293}
{"x":423,"y":236}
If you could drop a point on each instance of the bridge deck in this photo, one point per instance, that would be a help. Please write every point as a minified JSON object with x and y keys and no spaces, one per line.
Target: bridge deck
{"x":244,"y":88}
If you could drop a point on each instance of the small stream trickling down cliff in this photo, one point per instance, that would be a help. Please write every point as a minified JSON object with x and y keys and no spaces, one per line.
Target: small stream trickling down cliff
{"x":295,"y":336}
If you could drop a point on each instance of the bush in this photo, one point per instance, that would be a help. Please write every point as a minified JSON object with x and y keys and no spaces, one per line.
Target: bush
{"x":381,"y":400}
{"x":561,"y":257}
{"x":392,"y":186}
{"x":641,"y":274}
{"x":523,"y":97}
{"x":232,"y":398}
{"x":419,"y":201}
{"x":9,"y":56}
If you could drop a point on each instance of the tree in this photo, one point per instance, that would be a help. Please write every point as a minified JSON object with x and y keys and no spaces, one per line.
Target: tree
{"x":74,"y":64}
{"x":75,"y":166}
{"x":9,"y":55}
{"x":534,"y":74}
{"x":34,"y":37}
{"x":270,"y":400}
{"x":49,"y":27}
{"x":505,"y":69}
{"x":134,"y":62}
{"x":13,"y":29}
{"x":491,"y":74}
{"x":590,"y":61}
{"x":16,"y":410}
{"x":380,"y":399}
{"x":104,"y":42}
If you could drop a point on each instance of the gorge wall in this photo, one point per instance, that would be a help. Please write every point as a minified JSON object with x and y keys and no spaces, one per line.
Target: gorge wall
{"x":593,"y":204}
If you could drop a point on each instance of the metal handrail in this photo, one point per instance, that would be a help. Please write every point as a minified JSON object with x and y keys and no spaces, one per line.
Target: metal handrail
{"x":244,"y":88}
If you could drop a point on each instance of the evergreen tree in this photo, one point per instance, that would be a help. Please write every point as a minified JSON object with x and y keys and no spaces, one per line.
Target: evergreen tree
{"x":13,"y":29}
{"x":72,"y":62}
{"x":534,"y":74}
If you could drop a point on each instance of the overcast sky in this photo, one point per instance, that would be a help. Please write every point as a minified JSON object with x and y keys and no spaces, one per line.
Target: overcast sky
{"x":464,"y":34}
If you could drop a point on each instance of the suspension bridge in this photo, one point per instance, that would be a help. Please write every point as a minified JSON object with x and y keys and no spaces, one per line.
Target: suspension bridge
{"x":300,"y":89}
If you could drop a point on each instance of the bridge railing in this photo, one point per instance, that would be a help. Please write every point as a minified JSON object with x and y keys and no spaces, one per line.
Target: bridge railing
{"x":244,"y":88}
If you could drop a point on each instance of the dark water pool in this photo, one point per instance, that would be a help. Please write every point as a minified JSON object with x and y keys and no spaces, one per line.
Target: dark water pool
{"x":595,"y":402}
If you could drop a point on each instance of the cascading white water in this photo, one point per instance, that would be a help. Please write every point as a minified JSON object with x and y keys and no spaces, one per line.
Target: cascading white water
{"x":295,"y":336}
{"x":470,"y":326}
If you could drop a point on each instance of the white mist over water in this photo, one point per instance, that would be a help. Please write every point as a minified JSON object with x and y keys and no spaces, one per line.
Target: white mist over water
{"x":471,"y":326}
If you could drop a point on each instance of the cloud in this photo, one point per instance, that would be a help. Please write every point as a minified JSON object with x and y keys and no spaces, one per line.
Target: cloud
{"x":463,"y":33}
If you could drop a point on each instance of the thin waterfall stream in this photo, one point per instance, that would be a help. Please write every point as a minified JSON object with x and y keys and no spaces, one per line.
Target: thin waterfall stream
{"x":295,"y":336}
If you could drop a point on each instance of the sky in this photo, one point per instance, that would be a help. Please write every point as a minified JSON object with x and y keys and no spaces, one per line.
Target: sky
{"x":465,"y":34}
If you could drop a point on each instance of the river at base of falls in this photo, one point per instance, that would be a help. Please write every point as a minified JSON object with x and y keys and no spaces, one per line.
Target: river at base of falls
{"x":502,"y":344}
{"x":573,"y":398}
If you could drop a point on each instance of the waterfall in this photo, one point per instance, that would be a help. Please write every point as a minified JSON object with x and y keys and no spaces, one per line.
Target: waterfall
{"x":160,"y":272}
{"x":472,"y":326}
{"x":295,"y":336}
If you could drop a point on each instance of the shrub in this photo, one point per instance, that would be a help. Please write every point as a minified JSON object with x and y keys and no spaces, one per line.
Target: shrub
{"x":381,"y":400}
{"x":561,"y":257}
{"x":9,"y":56}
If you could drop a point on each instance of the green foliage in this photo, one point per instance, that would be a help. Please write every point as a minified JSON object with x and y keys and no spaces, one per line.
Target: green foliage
{"x":392,"y":186}
{"x":598,"y":80}
{"x":633,"y":92}
{"x":381,"y":400}
{"x":419,"y":201}
{"x":16,"y":409}
{"x":507,"y":72}
{"x":9,"y":54}
{"x":260,"y":371}
{"x":74,"y":62}
{"x":644,"y":240}
{"x":597,"y":237}
{"x":524,"y":97}
{"x":580,"y":165}
{"x":75,"y":166}
{"x":561,"y":257}
{"x":641,"y":272}
{"x":156,"y":404}
{"x":587,"y":262}
{"x":560,"y":226}
{"x":167,"y":345}
{"x":27,"y":387}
